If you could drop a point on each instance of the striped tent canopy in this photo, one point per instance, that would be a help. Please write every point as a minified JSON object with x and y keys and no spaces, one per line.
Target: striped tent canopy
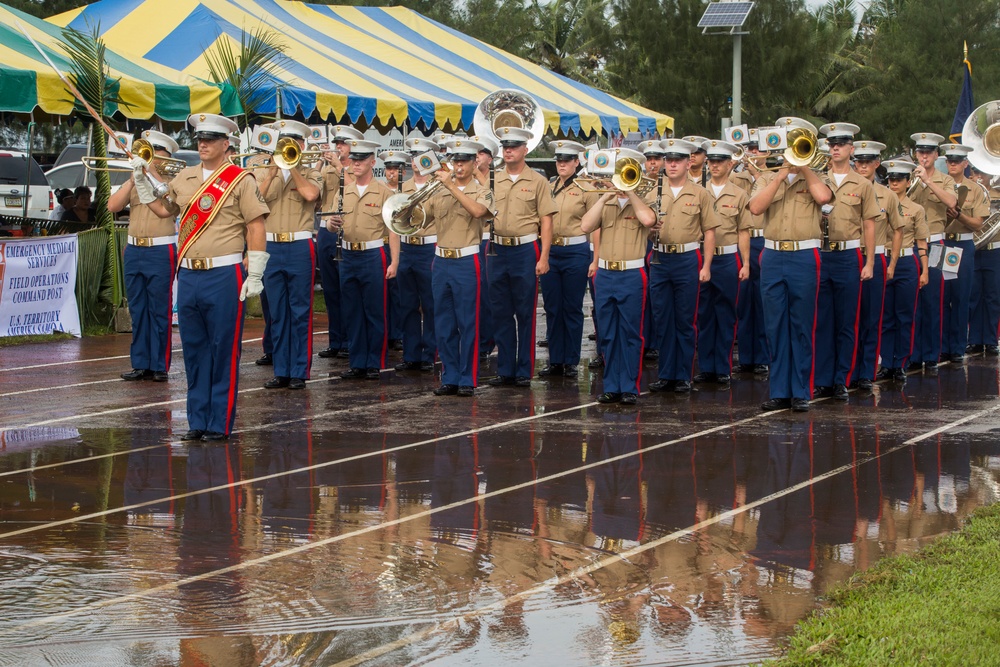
{"x":27,"y":83}
{"x":387,"y":66}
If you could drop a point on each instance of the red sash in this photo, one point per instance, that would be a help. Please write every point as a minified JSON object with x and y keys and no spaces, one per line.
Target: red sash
{"x":206,"y":204}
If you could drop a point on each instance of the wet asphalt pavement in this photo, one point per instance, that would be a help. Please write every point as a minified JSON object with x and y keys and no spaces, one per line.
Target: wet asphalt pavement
{"x":362,"y":522}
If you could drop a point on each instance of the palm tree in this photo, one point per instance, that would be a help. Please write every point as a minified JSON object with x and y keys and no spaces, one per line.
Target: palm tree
{"x":252,"y":71}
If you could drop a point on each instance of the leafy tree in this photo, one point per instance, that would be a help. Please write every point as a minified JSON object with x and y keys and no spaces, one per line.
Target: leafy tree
{"x":570,"y":37}
{"x":46,"y":8}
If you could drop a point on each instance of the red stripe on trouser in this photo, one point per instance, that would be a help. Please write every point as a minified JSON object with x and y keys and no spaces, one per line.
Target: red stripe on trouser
{"x":857,"y":319}
{"x":736,"y":306}
{"x":234,"y":360}
{"x":642,"y":315}
{"x":312,"y":291}
{"x":697,"y":298}
{"x":534,"y":318}
{"x":881,"y":314}
{"x":475,"y":348}
{"x":170,"y":302}
{"x":385,"y":313}
{"x":812,"y":358}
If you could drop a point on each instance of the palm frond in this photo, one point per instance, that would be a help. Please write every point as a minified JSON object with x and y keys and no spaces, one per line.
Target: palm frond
{"x":91,"y":74}
{"x":252,"y":70}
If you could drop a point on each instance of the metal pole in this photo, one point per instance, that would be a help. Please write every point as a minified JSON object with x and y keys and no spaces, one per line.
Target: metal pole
{"x":27,"y":170}
{"x":737,"y":78}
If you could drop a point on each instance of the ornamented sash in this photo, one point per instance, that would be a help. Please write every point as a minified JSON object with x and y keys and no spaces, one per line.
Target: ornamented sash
{"x":206,"y":204}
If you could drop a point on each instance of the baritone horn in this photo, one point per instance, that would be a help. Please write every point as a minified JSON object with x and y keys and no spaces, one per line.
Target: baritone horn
{"x":164,"y":166}
{"x":406,"y":214}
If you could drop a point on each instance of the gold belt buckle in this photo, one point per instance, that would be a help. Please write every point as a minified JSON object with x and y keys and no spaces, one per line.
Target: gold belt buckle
{"x":615,"y":265}
{"x":283,"y":237}
{"x":719,"y":250}
{"x":199,"y":264}
{"x":559,"y":240}
{"x":834,"y":245}
{"x":449,"y":253}
{"x":785,"y":246}
{"x":144,"y":242}
{"x":508,"y":240}
{"x":951,"y":237}
{"x":355,"y":246}
{"x":671,"y":247}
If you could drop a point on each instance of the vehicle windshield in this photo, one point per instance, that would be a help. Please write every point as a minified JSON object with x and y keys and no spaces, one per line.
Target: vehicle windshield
{"x":12,"y":171}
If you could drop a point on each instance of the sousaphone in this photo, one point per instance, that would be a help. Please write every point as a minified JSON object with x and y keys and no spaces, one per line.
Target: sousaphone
{"x":982,"y":132}
{"x":509,"y":108}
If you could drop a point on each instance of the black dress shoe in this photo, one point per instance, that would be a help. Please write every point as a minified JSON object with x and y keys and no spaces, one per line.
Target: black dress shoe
{"x":705,"y":377}
{"x":569,"y":371}
{"x":328,"y":353}
{"x":744,"y":368}
{"x":914,"y":366}
{"x":839,"y":392}
{"x":396,"y":344}
{"x":373,"y":374}
{"x":297,"y":383}
{"x":974,"y":349}
{"x":887,"y":373}
{"x":899,"y":375}
{"x":426,"y":366}
{"x":160,"y":376}
{"x":409,"y":366}
{"x":446,"y":390}
{"x":137,"y":374}
{"x":193,"y":434}
{"x":343,"y":353}
{"x":609,"y":397}
{"x":276,"y":383}
{"x":266,"y":360}
{"x":800,"y":405}
{"x":991,"y":350}
{"x":544,"y":342}
{"x":214,"y":435}
{"x":662,"y":385}
{"x":761,"y":369}
{"x":957,"y":359}
{"x":776,"y":404}
{"x":864,"y":384}
{"x":551,"y":370}
{"x":592,"y":336}
{"x":596,"y":362}
{"x":353,"y":374}
{"x":723,"y":379}
{"x":651,"y":353}
{"x":466,"y":391}
{"x":628,"y":398}
{"x":501,"y":381}
{"x":522,"y":381}
{"x":682,"y":387}
{"x":930,"y":369}
{"x":822,"y":392}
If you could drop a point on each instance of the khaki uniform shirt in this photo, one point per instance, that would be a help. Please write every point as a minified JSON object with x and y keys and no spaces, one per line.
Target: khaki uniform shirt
{"x":732,"y":212}
{"x":854,"y":202}
{"x":976,"y":205}
{"x":455,"y":227}
{"x":891,"y":219}
{"x":409,"y":187}
{"x":623,"y":237}
{"x":687,"y":217}
{"x":227,"y":233}
{"x":793,"y":214}
{"x":289,"y":211}
{"x":745,"y":181}
{"x":573,"y":203}
{"x":143,"y":223}
{"x":934,"y":208}
{"x":331,"y":181}
{"x":521,"y":204}
{"x":914,"y":223}
{"x":363,"y":213}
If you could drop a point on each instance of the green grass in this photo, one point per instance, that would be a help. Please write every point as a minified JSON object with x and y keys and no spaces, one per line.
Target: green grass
{"x":938,"y":606}
{"x":253,"y":305}
{"x":10,"y":341}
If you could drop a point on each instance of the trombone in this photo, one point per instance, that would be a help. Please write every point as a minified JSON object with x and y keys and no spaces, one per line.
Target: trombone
{"x":164,"y":166}
{"x":287,"y":155}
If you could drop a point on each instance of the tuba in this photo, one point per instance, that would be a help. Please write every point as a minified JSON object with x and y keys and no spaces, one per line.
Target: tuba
{"x":509,"y":108}
{"x":982,"y":132}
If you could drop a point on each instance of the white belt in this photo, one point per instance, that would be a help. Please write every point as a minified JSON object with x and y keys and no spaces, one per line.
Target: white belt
{"x":362,"y":245}
{"x":726,"y":249}
{"x":419,"y":240}
{"x":621,"y":264}
{"x":934,"y":238}
{"x":993,"y":246}
{"x":879,"y":250}
{"x":205,"y":263}
{"x":960,"y":237}
{"x":515,"y":240}
{"x":149,"y":241}
{"x":287,"y":237}
{"x":671,"y":248}
{"x":785,"y":246}
{"x":456,"y":253}
{"x":906,"y":252}
{"x":569,"y":240}
{"x":486,"y":236}
{"x":755,"y":233}
{"x":842,"y":245}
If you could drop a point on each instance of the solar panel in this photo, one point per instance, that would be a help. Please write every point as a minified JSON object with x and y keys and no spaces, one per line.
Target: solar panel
{"x":725,"y":15}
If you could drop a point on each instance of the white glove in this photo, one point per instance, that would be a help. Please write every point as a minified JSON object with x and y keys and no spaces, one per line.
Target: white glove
{"x":254,"y":284}
{"x":143,"y":186}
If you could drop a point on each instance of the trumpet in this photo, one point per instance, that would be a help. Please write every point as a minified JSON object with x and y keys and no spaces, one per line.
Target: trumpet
{"x":405,"y":214}
{"x":803,"y":151}
{"x":164,"y":166}
{"x":287,"y":155}
{"x":628,"y":176}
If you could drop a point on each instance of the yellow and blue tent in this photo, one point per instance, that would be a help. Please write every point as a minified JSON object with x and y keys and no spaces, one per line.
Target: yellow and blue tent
{"x":375,"y":65}
{"x":27,"y":83}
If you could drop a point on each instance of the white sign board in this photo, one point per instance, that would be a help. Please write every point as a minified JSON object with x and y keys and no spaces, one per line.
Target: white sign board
{"x":37,"y":286}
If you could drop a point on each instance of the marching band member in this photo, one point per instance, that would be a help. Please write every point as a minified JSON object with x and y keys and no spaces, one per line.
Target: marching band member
{"x":789,"y":274}
{"x":291,"y":194}
{"x":936,"y":193}
{"x":484,"y":159}
{"x":717,"y":300}
{"x":564,"y":285}
{"x":652,"y":150}
{"x":984,"y":307}
{"x":395,"y":167}
{"x":416,"y":301}
{"x":697,"y":171}
{"x":960,"y":233}
{"x":458,"y":215}
{"x":907,"y":273}
{"x":150,"y":264}
{"x":366,"y":266}
{"x":686,"y":225}
{"x":523,"y":234}
{"x":620,"y":286}
{"x":221,"y":212}
{"x":848,"y":259}
{"x":751,"y":340}
{"x":888,"y":240}
{"x":336,"y":163}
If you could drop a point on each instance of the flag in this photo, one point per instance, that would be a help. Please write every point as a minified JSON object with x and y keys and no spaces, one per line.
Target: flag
{"x":617,"y":139}
{"x":965,"y":103}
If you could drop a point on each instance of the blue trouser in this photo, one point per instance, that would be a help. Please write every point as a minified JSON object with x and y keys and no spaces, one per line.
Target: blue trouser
{"x":393,"y":313}
{"x":927,"y":321}
{"x":563,"y":288}
{"x":837,"y":316}
{"x":898,"y":311}
{"x":363,"y":293}
{"x":289,"y":281}
{"x":329,"y":276}
{"x":267,"y":340}
{"x":673,"y":292}
{"x":957,"y":297}
{"x":513,"y":300}
{"x":984,"y":315}
{"x":750,"y":312}
{"x":619,"y":298}
{"x":648,"y":330}
{"x":789,"y":285}
{"x":717,"y":316}
{"x":457,"y":293}
{"x":149,"y":286}
{"x":416,"y":302}
{"x":870,"y":321}
{"x":593,"y":311}
{"x":486,"y":341}
{"x":210,"y":314}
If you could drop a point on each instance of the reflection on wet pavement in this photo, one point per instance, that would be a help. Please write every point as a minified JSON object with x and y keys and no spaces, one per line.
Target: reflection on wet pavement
{"x":375,"y":524}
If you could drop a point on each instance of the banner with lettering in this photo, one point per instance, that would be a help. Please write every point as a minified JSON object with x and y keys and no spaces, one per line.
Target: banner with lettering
{"x":37,"y":286}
